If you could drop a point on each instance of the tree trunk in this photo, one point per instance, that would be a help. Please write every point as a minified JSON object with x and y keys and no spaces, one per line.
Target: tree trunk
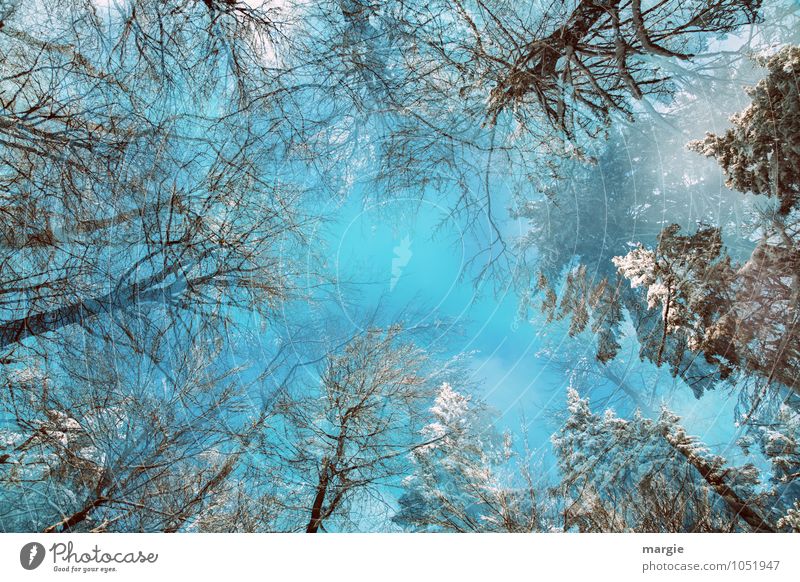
{"x":710,"y":475}
{"x":69,"y":522}
{"x":316,"y":509}
{"x":15,"y":331}
{"x":716,"y":480}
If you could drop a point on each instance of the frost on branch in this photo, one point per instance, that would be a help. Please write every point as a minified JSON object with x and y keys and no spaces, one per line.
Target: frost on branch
{"x":631,"y":475}
{"x":791,"y":519}
{"x":741,"y":317}
{"x":638,"y":266}
{"x":461,"y":479}
{"x":761,"y":152}
{"x":688,"y":277}
{"x":780,"y":443}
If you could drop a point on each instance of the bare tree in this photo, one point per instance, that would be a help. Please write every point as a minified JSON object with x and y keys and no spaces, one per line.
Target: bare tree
{"x":350,"y":436}
{"x":117,"y":197}
{"x":103,"y":439}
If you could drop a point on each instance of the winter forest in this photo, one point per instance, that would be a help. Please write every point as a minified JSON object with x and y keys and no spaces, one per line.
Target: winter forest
{"x":399,"y":266}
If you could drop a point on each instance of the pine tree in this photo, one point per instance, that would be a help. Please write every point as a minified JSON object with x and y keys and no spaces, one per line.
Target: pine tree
{"x":648,"y":475}
{"x":761,"y":152}
{"x":462,"y":480}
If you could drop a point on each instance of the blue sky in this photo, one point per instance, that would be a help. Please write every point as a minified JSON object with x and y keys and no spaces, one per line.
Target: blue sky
{"x":410,"y":261}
